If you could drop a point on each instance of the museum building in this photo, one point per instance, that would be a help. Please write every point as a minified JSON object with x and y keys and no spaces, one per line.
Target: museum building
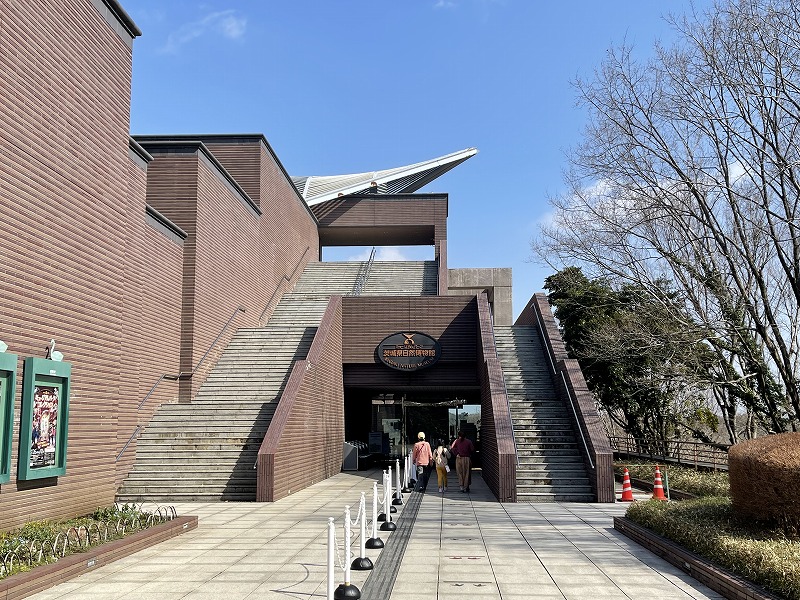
{"x":169,"y":330}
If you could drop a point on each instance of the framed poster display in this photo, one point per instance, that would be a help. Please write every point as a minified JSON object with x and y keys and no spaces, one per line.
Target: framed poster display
{"x":8,"y":386}
{"x":43,"y":419}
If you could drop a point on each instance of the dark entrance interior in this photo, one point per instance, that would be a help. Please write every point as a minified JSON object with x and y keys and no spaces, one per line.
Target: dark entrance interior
{"x":388,"y":422}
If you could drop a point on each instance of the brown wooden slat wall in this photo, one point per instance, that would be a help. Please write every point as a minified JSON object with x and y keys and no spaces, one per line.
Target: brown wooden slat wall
{"x":232,"y":257}
{"x":304,"y":442}
{"x":390,"y":210}
{"x":80,"y":262}
{"x":444,"y":273}
{"x":498,"y":453}
{"x":64,"y":122}
{"x":450,"y":319}
{"x":243,"y":161}
{"x":567,"y":370}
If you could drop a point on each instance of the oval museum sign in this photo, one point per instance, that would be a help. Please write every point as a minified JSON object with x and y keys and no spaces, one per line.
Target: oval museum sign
{"x":409,"y":351}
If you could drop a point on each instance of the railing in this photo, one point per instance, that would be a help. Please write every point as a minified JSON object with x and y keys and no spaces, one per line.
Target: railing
{"x":698,"y":454}
{"x":548,"y":351}
{"x":363,"y":275}
{"x":280,"y":283}
{"x":179,"y":377}
{"x":505,"y":392}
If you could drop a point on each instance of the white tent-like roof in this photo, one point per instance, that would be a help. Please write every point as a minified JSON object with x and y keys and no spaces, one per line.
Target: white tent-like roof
{"x":400,"y":180}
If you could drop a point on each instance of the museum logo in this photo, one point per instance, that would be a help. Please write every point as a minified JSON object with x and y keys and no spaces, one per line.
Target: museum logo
{"x":409,"y":351}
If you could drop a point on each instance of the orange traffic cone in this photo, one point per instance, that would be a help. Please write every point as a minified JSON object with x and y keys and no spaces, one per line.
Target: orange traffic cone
{"x":658,"y":487}
{"x":627,"y":492}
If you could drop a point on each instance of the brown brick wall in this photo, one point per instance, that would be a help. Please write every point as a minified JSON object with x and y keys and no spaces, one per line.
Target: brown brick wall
{"x":233,"y":256}
{"x":498,"y":454}
{"x":304,"y":443}
{"x":64,"y":172}
{"x":450,"y":319}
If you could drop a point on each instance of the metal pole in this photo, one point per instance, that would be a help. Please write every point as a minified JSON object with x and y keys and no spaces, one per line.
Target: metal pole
{"x":347,"y":545}
{"x":331,"y":543}
{"x":374,"y":509}
{"x":363,"y":537}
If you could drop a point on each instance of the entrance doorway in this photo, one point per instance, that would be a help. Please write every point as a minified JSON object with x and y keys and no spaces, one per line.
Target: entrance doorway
{"x":389,"y":422}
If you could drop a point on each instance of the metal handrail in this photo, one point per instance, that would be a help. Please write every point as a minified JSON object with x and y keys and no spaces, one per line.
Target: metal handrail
{"x":363,"y":275}
{"x":505,"y":391}
{"x":180,"y":376}
{"x":280,"y":283}
{"x":548,"y":351}
{"x":577,"y":421}
{"x":700,"y":453}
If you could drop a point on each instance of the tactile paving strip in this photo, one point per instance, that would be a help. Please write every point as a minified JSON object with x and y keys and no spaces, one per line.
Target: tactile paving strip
{"x":381,"y":579}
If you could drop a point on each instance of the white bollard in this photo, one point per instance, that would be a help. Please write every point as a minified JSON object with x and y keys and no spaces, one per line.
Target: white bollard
{"x":347,"y":545}
{"x":347,"y":589}
{"x":331,"y":550}
{"x":389,"y":486}
{"x":387,"y":525}
{"x":398,"y":495}
{"x":362,"y":562}
{"x":374,"y":541}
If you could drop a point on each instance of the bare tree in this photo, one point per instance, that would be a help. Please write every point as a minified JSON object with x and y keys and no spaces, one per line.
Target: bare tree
{"x":688,"y":171}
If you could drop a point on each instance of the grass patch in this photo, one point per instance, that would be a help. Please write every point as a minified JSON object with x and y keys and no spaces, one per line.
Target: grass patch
{"x":42,"y":542}
{"x":708,"y":527}
{"x":685,"y":479}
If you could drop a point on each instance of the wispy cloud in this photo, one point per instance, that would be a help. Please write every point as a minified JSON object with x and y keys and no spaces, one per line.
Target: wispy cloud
{"x":230,"y":24}
{"x":383,"y":253}
{"x":444,"y":4}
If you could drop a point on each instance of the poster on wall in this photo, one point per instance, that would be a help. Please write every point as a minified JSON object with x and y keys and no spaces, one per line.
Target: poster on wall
{"x":44,"y":426}
{"x":44,"y":419}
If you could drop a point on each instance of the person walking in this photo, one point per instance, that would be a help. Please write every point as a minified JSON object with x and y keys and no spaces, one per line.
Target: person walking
{"x":463,"y":449}
{"x":422,"y":457}
{"x":440,"y":457}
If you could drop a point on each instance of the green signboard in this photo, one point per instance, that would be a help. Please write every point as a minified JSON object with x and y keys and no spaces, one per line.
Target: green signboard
{"x":43,"y":419}
{"x":8,"y":385}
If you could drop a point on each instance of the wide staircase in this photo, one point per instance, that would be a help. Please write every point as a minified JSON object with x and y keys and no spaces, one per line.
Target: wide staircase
{"x":207,"y":450}
{"x":550,"y":466}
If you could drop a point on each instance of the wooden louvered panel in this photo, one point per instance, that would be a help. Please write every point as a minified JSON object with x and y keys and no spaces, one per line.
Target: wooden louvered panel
{"x":450,"y":319}
{"x":63,"y":188}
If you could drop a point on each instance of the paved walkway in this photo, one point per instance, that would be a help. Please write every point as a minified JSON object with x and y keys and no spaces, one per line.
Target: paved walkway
{"x":461,"y":546}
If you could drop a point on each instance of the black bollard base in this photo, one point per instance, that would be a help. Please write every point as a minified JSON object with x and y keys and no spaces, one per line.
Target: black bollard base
{"x":381,"y":517}
{"x":392,"y":509}
{"x":374,"y":543}
{"x":346,"y":590}
{"x":388,"y":526}
{"x":361,"y":563}
{"x":397,"y":502}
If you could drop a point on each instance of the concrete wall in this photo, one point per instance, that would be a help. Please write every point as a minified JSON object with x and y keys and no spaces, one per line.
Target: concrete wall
{"x":495,"y":282}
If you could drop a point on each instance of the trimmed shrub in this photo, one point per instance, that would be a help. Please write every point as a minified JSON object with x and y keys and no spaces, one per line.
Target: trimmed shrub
{"x":708,"y":527}
{"x":764,"y":475}
{"x":683,"y":478}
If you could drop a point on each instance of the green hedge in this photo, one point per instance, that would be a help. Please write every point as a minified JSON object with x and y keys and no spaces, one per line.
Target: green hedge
{"x":685,"y":479}
{"x":708,"y":527}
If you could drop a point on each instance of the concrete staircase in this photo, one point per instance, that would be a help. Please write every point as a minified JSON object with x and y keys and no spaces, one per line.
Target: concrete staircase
{"x":550,"y":467}
{"x":402,"y":278}
{"x":206,"y":450}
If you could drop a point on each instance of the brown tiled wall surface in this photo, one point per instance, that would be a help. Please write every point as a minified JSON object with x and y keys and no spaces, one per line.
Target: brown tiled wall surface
{"x":388,"y":215}
{"x":498,"y":455}
{"x":233,"y":256}
{"x":305,"y":438}
{"x":450,"y":319}
{"x":82,"y":263}
{"x":64,"y":182}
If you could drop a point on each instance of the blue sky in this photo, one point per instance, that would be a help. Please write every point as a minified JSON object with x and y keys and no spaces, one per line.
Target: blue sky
{"x":346,"y":86}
